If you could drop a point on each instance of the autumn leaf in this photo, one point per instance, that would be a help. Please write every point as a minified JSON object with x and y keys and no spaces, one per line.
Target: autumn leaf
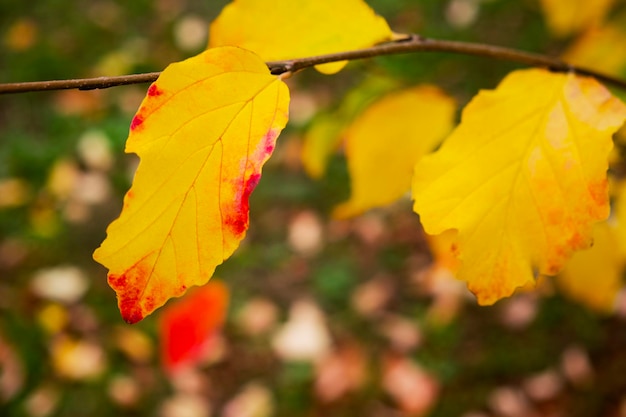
{"x":383,"y":144}
{"x":286,"y":29}
{"x":203,"y":133}
{"x":522,"y":178}
{"x":326,"y":133}
{"x":595,"y":49}
{"x":593,"y":277}
{"x":188,"y":326}
{"x":320,"y":142}
{"x":439,"y":281}
{"x":565,"y":17}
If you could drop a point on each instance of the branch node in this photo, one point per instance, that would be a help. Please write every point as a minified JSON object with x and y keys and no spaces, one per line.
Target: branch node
{"x":412,"y":37}
{"x":280,"y":67}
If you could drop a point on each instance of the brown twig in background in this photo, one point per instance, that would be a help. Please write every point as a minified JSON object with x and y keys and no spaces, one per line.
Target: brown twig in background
{"x":409,"y":44}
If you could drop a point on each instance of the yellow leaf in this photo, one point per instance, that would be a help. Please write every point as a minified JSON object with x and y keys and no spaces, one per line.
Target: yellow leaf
{"x":326,"y":132}
{"x":204,"y":131}
{"x":522,"y":178}
{"x":439,"y":280}
{"x":287,"y":29}
{"x":594,"y":276}
{"x":444,"y":250}
{"x":565,"y":17}
{"x":383,"y":144}
{"x":596,"y":50}
{"x":321,"y":141}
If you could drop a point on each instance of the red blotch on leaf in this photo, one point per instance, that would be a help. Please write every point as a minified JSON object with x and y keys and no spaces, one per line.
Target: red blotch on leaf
{"x":136,"y":122}
{"x":251,"y":184}
{"x":154,"y":91}
{"x":238,"y":221}
{"x":269,"y":142}
{"x":127,"y":286}
{"x":188,"y":326}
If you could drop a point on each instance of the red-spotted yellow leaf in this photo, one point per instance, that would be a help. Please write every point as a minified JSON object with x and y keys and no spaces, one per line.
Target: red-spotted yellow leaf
{"x":522,"y":178}
{"x":287,"y":29}
{"x":565,"y":17}
{"x":188,"y":326}
{"x":203,"y":133}
{"x":385,"y":141}
{"x":593,"y":276}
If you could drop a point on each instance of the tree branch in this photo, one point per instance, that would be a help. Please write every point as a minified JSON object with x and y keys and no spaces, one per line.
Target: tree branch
{"x":81,"y":83}
{"x":412,"y":43}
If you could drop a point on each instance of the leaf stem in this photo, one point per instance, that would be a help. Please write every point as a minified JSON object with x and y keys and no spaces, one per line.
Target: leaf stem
{"x":409,"y":44}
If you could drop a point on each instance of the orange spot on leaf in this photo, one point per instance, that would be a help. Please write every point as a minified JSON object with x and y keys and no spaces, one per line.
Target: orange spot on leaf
{"x":599,"y":192}
{"x":128,"y":198}
{"x":454,"y":249}
{"x":553,"y":269}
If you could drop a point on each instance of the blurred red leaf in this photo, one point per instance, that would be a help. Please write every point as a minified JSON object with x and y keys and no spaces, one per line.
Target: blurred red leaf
{"x":190,"y":324}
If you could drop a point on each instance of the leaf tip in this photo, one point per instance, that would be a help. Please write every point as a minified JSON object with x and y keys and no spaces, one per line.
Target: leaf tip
{"x":134,"y":302}
{"x":127,"y":303}
{"x":132,"y":316}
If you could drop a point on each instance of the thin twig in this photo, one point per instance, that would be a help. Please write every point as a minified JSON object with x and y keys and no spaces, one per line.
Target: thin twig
{"x":81,"y":83}
{"x":412,"y":43}
{"x":416,"y":43}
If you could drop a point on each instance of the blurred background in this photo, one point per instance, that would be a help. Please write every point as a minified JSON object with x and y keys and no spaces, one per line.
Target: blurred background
{"x":324,"y":317}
